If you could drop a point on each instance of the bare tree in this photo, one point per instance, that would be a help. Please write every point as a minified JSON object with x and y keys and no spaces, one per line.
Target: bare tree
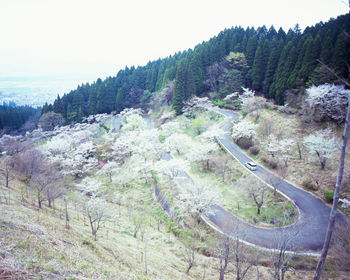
{"x":6,"y":170}
{"x":277,"y":181}
{"x":50,"y":120}
{"x":29,"y":162}
{"x":223,"y":250}
{"x":234,"y":256}
{"x":65,"y":198}
{"x":267,"y":127}
{"x":96,"y":211}
{"x":282,"y":258}
{"x":300,"y":146}
{"x":242,"y":259}
{"x":45,"y":184}
{"x":255,"y":190}
{"x":222,"y":165}
{"x":190,"y":253}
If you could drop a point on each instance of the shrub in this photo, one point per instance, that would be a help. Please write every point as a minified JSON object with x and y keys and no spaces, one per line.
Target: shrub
{"x":264,"y":160}
{"x":328,"y":195}
{"x":271,"y":162}
{"x":161,"y":138}
{"x":245,"y":143}
{"x":309,"y":185}
{"x":254,"y":150}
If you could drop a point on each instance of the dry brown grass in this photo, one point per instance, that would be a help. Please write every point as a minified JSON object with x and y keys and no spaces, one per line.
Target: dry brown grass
{"x":300,"y":171}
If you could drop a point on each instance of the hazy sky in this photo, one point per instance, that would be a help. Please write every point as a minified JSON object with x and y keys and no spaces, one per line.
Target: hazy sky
{"x":95,"y":38}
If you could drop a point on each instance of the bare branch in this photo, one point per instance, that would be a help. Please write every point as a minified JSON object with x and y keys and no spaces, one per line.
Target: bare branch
{"x":344,"y":81}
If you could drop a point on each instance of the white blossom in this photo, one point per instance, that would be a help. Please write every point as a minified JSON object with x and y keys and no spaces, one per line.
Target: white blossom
{"x":323,"y":144}
{"x":328,"y":101}
{"x":244,"y":129}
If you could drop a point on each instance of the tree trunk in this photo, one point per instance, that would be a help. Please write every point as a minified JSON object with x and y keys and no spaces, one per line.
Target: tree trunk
{"x":67,"y":216}
{"x":7,"y":180}
{"x":330,"y":229}
{"x":323,"y":164}
{"x":299,"y":151}
{"x":222,"y":269}
{"x":259,"y":206}
{"x":189,"y":268}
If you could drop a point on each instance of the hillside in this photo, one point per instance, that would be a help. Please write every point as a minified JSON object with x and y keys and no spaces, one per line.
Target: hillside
{"x":106,"y":169}
{"x":270,"y":62}
{"x":216,"y":162}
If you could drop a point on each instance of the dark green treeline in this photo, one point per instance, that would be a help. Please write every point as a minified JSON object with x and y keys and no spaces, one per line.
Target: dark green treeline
{"x":13,"y":117}
{"x":276,"y":60}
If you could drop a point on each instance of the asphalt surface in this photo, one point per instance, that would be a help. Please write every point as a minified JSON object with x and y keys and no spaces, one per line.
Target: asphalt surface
{"x":307,"y":233}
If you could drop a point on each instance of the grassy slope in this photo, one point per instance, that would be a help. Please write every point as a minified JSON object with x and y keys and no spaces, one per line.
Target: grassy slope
{"x":308,"y":167}
{"x":35,"y":242}
{"x":231,"y":196}
{"x":38,"y":242}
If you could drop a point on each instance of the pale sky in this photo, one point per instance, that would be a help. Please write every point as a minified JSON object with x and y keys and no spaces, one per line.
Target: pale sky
{"x":96,"y":38}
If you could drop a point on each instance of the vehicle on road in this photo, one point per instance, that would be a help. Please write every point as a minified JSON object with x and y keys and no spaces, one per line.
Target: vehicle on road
{"x":251,"y":165}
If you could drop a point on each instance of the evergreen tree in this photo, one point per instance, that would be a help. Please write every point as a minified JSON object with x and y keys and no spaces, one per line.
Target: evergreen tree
{"x":80,"y":115}
{"x":251,"y":49}
{"x":198,"y":73}
{"x":339,"y":59}
{"x":57,"y":105}
{"x":272,"y":64}
{"x":100,"y":97}
{"x":119,"y":101}
{"x":190,"y":84}
{"x":310,"y":59}
{"x":295,"y":76}
{"x":45,"y":109}
{"x":259,"y":66}
{"x":179,"y":88}
{"x":78,"y":102}
{"x":92,"y":102}
{"x":285,"y":67}
{"x":327,"y":50}
{"x":71,"y":114}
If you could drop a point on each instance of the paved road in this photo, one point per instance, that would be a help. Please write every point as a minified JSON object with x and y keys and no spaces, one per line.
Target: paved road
{"x":308,"y":233}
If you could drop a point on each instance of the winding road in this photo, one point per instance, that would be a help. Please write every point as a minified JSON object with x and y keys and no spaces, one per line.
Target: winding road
{"x":307,"y":233}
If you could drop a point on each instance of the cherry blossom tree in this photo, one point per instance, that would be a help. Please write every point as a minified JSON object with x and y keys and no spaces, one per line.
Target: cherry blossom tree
{"x":108,"y":169}
{"x":90,"y":186}
{"x":195,"y":200}
{"x":282,"y":148}
{"x":134,"y":122}
{"x":323,"y":144}
{"x":178,"y":142}
{"x":243,"y":133}
{"x":211,"y":135}
{"x":122,"y":148}
{"x":202,"y":154}
{"x":328,"y":101}
{"x":169,"y":128}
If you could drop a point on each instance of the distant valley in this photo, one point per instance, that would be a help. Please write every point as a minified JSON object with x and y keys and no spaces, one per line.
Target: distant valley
{"x":35,"y":91}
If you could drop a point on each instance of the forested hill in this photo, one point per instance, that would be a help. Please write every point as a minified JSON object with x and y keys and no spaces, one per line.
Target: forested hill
{"x":13,"y":117}
{"x":267,"y":60}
